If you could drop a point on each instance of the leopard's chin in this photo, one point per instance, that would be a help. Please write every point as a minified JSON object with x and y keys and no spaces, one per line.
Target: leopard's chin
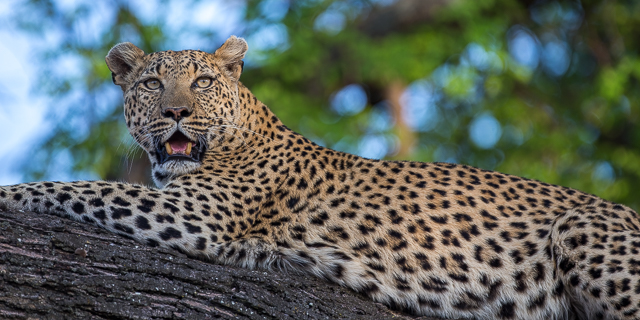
{"x":178,"y":167}
{"x":164,"y":173}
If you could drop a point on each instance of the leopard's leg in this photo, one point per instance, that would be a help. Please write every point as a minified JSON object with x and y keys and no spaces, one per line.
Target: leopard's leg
{"x":596,"y":250}
{"x":167,"y":218}
{"x":148,"y":215}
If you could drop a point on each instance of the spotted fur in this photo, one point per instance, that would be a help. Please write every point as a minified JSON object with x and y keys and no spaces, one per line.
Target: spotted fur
{"x":436,"y":239}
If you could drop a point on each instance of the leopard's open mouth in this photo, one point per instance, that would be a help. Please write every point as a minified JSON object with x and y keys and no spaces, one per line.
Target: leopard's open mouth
{"x":179,"y":147}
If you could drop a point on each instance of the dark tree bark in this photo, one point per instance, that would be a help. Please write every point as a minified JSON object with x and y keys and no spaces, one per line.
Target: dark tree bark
{"x":55,"y":268}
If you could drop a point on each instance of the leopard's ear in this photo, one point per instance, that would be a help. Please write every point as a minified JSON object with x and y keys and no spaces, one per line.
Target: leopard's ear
{"x":229,"y":56}
{"x":121,"y":60}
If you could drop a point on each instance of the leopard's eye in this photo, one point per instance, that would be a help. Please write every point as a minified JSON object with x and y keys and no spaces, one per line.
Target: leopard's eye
{"x":152,"y":84}
{"x":203,"y":82}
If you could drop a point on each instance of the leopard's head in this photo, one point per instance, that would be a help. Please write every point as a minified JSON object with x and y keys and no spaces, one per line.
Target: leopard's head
{"x":177,"y":104}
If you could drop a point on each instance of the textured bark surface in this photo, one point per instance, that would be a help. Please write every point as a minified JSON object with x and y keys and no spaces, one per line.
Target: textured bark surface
{"x":55,"y":268}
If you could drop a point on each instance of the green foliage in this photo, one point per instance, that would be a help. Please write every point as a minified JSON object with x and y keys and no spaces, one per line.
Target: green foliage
{"x":572,"y":122}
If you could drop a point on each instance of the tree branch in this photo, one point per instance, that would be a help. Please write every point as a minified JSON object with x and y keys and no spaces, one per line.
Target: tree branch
{"x":53,"y":267}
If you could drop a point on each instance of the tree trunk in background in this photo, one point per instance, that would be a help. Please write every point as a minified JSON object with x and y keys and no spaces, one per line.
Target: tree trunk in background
{"x":406,"y":136}
{"x":399,"y":16}
{"x":55,"y":268}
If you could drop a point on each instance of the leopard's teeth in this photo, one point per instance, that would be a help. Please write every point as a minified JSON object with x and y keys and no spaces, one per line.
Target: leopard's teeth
{"x":168,"y":147}
{"x":188,"y":151}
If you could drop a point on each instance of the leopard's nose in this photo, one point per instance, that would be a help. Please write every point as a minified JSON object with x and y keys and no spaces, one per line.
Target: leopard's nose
{"x":176,"y":113}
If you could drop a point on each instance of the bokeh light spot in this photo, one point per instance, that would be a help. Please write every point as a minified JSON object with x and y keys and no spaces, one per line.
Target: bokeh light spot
{"x":350,"y":100}
{"x":523,"y":46}
{"x":485,"y":131}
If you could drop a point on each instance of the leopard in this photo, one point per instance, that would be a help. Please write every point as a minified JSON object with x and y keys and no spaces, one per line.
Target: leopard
{"x":235,"y":186}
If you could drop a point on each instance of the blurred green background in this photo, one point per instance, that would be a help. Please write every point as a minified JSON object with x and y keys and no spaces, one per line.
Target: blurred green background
{"x":547,"y":90}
